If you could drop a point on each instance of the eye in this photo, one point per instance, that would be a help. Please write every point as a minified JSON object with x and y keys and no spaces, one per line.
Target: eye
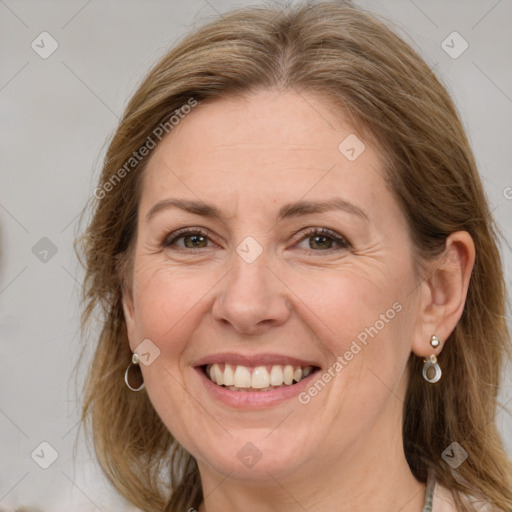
{"x":323,"y":240}
{"x":192,"y":239}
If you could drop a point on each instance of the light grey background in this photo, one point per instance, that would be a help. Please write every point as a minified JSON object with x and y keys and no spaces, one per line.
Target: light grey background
{"x":56,"y":116}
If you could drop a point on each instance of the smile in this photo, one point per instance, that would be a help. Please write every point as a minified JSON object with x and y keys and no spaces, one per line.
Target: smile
{"x":254,"y":381}
{"x":256,"y":378}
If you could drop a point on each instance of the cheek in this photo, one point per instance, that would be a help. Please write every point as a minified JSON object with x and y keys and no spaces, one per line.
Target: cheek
{"x":168,"y":307}
{"x":350,"y":304}
{"x":365,"y":323}
{"x":167,"y":304}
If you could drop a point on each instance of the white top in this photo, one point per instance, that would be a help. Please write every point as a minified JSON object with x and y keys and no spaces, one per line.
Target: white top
{"x":440,"y":499}
{"x":443,"y":500}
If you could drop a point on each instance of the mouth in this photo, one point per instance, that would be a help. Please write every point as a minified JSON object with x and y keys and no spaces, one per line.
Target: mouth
{"x":253,"y":382}
{"x":262,"y":378}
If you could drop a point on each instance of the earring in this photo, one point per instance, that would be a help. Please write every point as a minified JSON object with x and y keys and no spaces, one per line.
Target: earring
{"x":134,"y":361}
{"x":431,"y":370}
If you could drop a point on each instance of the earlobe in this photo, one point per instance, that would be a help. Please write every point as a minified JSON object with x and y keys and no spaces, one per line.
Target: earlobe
{"x":445,"y":292}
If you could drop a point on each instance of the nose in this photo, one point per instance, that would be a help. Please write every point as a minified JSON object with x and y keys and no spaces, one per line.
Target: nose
{"x":252,"y":298}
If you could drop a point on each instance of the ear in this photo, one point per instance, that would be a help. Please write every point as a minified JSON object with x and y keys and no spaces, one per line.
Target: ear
{"x":127,"y":299}
{"x":129,"y":311}
{"x":443,"y":293}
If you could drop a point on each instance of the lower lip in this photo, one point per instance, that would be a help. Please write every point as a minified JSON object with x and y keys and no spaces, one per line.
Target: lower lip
{"x":254,"y":399}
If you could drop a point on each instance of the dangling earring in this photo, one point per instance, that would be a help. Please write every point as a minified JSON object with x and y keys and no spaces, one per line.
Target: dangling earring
{"x":134,"y":361}
{"x":431,"y":369}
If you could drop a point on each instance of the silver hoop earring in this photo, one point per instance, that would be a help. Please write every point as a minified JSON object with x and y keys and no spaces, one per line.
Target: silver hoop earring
{"x":431,"y":370}
{"x":134,"y":361}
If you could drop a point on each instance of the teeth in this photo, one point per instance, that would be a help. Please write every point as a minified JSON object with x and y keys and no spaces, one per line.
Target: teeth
{"x":219,"y":376}
{"x":288,"y":374}
{"x":241,"y":378}
{"x":260,"y":378}
{"x":276,"y":376}
{"x":229,"y":375}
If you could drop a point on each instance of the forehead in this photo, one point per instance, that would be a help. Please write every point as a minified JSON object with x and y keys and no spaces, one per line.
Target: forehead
{"x":265,"y":146}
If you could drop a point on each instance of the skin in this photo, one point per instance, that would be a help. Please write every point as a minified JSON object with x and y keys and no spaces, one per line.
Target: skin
{"x":248,"y":156}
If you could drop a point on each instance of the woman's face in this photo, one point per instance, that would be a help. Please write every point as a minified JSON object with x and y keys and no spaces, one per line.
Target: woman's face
{"x":241,"y":275}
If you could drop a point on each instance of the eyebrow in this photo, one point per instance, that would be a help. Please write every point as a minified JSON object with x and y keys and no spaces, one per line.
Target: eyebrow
{"x":290,"y":210}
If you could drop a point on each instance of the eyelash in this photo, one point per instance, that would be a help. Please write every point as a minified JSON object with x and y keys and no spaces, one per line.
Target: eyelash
{"x":342,"y":242}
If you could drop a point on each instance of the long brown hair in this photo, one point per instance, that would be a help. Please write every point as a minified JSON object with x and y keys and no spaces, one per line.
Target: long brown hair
{"x":337,"y":50}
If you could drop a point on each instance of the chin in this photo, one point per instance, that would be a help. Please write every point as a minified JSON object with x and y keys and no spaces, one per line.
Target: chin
{"x":258,"y":460}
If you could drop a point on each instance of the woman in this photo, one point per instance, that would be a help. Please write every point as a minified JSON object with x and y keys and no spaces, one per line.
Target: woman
{"x":302,"y":294}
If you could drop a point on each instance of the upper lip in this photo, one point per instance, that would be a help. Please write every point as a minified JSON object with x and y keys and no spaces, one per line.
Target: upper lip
{"x":253,"y":360}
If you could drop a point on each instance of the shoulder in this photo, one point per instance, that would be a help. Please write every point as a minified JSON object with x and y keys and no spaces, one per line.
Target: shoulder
{"x":443,"y":501}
